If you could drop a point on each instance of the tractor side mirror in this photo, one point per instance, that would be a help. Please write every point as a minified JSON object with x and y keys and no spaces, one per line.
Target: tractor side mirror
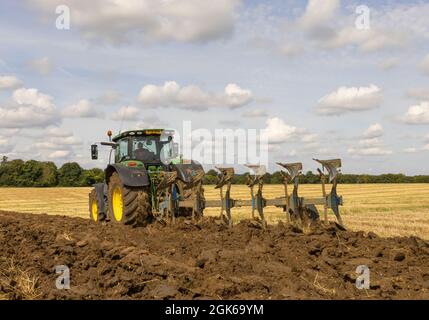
{"x":175,"y":150}
{"x":94,"y":152}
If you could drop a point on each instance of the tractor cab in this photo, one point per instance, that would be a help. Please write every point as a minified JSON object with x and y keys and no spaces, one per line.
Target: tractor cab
{"x":145,"y":147}
{"x":138,"y":148}
{"x":148,"y":147}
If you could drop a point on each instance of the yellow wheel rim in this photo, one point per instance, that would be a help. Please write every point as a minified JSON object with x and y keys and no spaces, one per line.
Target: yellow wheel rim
{"x":117,"y":204}
{"x":94,"y":210}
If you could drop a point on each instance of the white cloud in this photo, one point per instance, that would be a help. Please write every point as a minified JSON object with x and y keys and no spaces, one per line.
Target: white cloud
{"x":10,"y":131}
{"x":67,"y":141}
{"x":56,"y":139}
{"x":282,"y":152}
{"x":126,"y":113}
{"x":235,"y":97}
{"x":318,"y":14}
{"x":351,"y":99}
{"x":192,"y":97}
{"x":309,"y":138}
{"x":34,"y":98}
{"x":418,"y":94}
{"x":150,"y":122}
{"x":278,"y":131}
{"x":292,"y":153}
{"x":170,"y":20}
{"x":9,"y":82}
{"x":255,"y":113}
{"x":58,"y":132}
{"x":410,"y":150}
{"x":315,"y":24}
{"x":417,"y":114}
{"x":373,"y":151}
{"x":274,"y":148}
{"x":58,"y":143}
{"x":367,"y":40}
{"x":409,"y":16}
{"x":374,"y":131}
{"x":60,"y":154}
{"x":397,"y":25}
{"x":82,"y":109}
{"x":425,"y":65}
{"x":45,"y":145}
{"x":322,"y":24}
{"x":371,"y":144}
{"x":30,"y":109}
{"x":43,"y":65}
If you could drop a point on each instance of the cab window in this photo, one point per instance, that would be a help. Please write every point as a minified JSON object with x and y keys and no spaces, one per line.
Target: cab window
{"x":122,"y":150}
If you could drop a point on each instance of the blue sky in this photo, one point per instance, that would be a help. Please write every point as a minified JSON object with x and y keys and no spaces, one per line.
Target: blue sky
{"x":304,"y":71}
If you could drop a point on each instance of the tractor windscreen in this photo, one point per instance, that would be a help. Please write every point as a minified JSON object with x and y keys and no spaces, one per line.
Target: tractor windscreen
{"x":148,"y":149}
{"x":145,"y":149}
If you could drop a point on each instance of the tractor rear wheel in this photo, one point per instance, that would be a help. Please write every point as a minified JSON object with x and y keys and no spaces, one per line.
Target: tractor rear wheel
{"x":128,"y":205}
{"x":94,"y":208}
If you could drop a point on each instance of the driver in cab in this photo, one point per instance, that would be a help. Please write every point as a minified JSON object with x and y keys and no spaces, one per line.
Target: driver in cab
{"x":142,"y":153}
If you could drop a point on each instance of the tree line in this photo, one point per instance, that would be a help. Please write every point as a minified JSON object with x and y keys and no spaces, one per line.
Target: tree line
{"x":32,"y":173}
{"x":311,"y":178}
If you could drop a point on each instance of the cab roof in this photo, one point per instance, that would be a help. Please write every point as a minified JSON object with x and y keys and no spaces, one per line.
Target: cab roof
{"x":143,"y":132}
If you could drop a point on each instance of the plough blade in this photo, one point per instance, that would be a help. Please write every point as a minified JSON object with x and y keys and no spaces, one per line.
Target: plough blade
{"x":164,"y":196}
{"x":294,"y":169}
{"x":257,"y":170}
{"x":196,"y":178}
{"x":226,"y":176}
{"x":297,"y":212}
{"x":256,"y":178}
{"x":333,"y":167}
{"x":195,"y":184}
{"x":332,"y":200}
{"x":256,"y":173}
{"x":226,"y":202}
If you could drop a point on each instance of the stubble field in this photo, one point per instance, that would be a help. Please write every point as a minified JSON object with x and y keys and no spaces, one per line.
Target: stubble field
{"x":386,"y":209}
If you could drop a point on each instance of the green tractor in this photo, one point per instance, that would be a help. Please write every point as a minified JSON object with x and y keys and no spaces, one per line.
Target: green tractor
{"x":147,"y":180}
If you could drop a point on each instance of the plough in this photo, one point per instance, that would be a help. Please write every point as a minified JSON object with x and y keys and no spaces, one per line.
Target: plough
{"x":298,"y":210}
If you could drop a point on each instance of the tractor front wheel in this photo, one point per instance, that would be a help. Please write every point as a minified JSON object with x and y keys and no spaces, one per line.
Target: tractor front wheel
{"x":94,"y":208}
{"x":128,"y":205}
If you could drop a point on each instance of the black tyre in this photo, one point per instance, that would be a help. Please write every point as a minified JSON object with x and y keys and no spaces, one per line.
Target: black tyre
{"x":128,"y":205}
{"x":94,"y":208}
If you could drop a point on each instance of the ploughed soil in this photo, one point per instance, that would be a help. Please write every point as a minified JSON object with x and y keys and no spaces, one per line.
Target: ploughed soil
{"x":203,"y":261}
